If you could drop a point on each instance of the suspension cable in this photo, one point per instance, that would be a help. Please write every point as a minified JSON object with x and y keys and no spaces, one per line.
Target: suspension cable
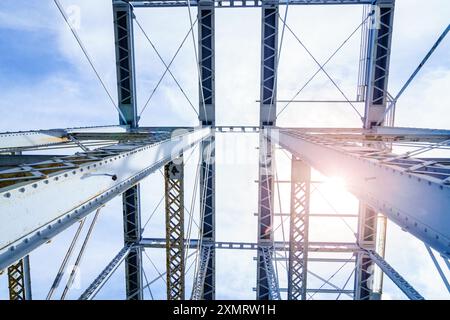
{"x":331,"y":277}
{"x":165,"y":65}
{"x":80,"y":255}
{"x":346,"y":282}
{"x":166,"y":70}
{"x":196,"y":59}
{"x":86,"y":54}
{"x":321,"y":67}
{"x":62,"y":268}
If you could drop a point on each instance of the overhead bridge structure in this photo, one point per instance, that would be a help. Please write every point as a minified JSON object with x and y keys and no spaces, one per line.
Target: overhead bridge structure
{"x":386,"y":167}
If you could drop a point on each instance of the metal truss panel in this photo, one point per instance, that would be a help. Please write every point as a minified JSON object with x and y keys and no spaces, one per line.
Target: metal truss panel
{"x":265,"y":214}
{"x":298,"y":229}
{"x":200,"y":278}
{"x":109,"y":172}
{"x":242,"y":3}
{"x":379,"y":53}
{"x":208,"y":210}
{"x":269,"y":61}
{"x":272,"y":278}
{"x":267,"y":115}
{"x":206,"y":53}
{"x":366,"y":238}
{"x":19,"y":280}
{"x":206,"y":56}
{"x":132,"y":235}
{"x":124,"y":45}
{"x":175,"y":265}
{"x":416,"y":202}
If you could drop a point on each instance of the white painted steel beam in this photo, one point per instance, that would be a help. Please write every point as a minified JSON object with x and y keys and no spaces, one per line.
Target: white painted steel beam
{"x":37,"y":138}
{"x":35,"y":211}
{"x":418,"y":203}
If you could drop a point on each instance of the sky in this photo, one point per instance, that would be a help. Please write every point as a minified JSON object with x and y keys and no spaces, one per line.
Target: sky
{"x":47,"y":83}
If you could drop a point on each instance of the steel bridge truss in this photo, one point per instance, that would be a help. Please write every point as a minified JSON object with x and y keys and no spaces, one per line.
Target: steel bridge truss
{"x":175,"y":265}
{"x":114,"y":159}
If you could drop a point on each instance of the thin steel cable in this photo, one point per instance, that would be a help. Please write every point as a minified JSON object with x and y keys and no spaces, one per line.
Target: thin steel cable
{"x":334,"y":209}
{"x":62,"y":268}
{"x":323,"y":65}
{"x":193,"y":200}
{"x":160,"y":276}
{"x":163,"y":196}
{"x":346,"y":282}
{"x":196,"y":60}
{"x":154,"y":266}
{"x":86,"y":54}
{"x":80,"y":254}
{"x":165,"y":71}
{"x":165,"y":65}
{"x":153,"y":212}
{"x":147,"y":284}
{"x":332,"y":276}
{"x":281,"y":210}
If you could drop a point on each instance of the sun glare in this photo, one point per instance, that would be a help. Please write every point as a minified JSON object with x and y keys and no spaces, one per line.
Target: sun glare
{"x":336,"y":183}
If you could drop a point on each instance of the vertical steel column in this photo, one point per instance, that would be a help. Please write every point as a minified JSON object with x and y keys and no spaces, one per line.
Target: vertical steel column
{"x":269,"y":59}
{"x":367,"y":235}
{"x":206,"y":52}
{"x":126,"y":90}
{"x":19,"y":280}
{"x":379,"y":51}
{"x":132,"y":235}
{"x":298,"y":233}
{"x":174,"y":190}
{"x":125,"y":69}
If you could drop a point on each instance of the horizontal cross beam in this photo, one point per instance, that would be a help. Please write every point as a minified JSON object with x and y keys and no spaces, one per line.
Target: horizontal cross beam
{"x":279,"y":246}
{"x":242,"y":3}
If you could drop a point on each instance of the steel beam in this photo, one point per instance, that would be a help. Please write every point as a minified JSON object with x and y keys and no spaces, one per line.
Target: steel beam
{"x":379,"y":53}
{"x":272,"y":278}
{"x":278,"y":246}
{"x":106,"y":273}
{"x":206,"y":54}
{"x":124,"y":47}
{"x":175,"y":265}
{"x":376,"y":98}
{"x":417,"y":202}
{"x":86,"y":181}
{"x":15,"y":141}
{"x":267,"y":114}
{"x":366,"y":238}
{"x":200,"y":276}
{"x":241,"y":4}
{"x":407,"y":289}
{"x":298,"y":229}
{"x":208,"y":212}
{"x":132,"y":235}
{"x":126,"y":90}
{"x":19,"y":280}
